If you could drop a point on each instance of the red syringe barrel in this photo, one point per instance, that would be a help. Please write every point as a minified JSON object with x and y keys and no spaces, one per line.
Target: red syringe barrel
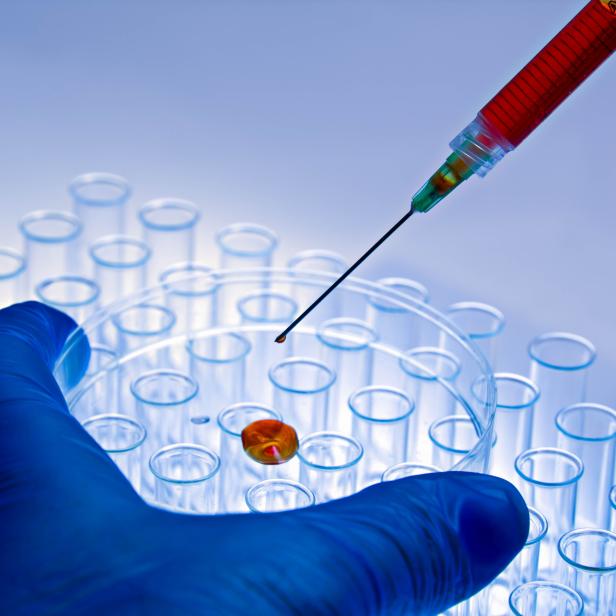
{"x":556,"y":71}
{"x":528,"y":99}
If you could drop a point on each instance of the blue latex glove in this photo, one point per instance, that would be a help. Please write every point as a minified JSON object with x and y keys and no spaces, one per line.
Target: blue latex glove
{"x":76,"y":539}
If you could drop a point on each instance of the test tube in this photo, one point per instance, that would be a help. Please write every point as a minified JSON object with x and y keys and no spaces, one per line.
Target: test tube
{"x":278,"y":495}
{"x":246,"y":245}
{"x":589,"y":431}
{"x":525,"y":566}
{"x":301,"y":392}
{"x":264,"y":308}
{"x":516,"y":397}
{"x":169,"y":230}
{"x":73,"y":295}
{"x":12,"y":275}
{"x":162,"y":403}
{"x":102,"y":394}
{"x":239,"y":471}
{"x":120,"y":263}
{"x":191,"y":295}
{"x":243,"y":246}
{"x":452,"y":439}
{"x":559,"y":367}
{"x":122,"y":438}
{"x":218,"y":364}
{"x":328,"y":464}
{"x":589,"y":566}
{"x":99,"y":200}
{"x":318,"y":261}
{"x":381,"y":423}
{"x":141,"y":327}
{"x":346,"y":349}
{"x":545,"y":599}
{"x":50,"y":245}
{"x":482,"y":323}
{"x":395,"y":325}
{"x":429,"y":377}
{"x":186,"y":478}
{"x":408,"y":469}
{"x":549,"y":479}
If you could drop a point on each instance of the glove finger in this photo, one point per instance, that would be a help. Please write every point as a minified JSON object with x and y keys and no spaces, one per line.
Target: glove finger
{"x":414,"y":546}
{"x":44,"y":451}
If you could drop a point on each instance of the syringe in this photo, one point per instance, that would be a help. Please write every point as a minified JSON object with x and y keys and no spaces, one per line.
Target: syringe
{"x":501,"y":125}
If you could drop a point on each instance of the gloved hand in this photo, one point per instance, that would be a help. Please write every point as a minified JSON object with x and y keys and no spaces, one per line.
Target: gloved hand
{"x":76,"y":539}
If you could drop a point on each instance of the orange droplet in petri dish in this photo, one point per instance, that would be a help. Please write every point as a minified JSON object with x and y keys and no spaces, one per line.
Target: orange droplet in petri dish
{"x":269,"y":441}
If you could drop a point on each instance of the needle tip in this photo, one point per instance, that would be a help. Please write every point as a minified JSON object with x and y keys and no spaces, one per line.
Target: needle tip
{"x":280,"y":339}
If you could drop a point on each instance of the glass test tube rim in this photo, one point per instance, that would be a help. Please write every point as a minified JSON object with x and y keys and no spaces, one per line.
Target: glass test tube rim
{"x":355,"y":444}
{"x":267,"y":295}
{"x":50,"y":215}
{"x":510,"y":377}
{"x":432,"y":376}
{"x":585,"y":406}
{"x":562,"y":453}
{"x":394,"y":391}
{"x":347,"y":341}
{"x":577,"y":532}
{"x":300,"y":487}
{"x":429,"y":468}
{"x":128,"y":240}
{"x":232,"y":277}
{"x":437,"y":423}
{"x":15,"y":256}
{"x":274,"y":414}
{"x":188,"y":266}
{"x":395,"y":282}
{"x":154,"y":206}
{"x":543,"y":526}
{"x":572,"y":594}
{"x":551,"y":336}
{"x":246,"y":347}
{"x":192,"y":389}
{"x":193,"y":447}
{"x":316,"y":253}
{"x":247,"y":227}
{"x":295,"y":360}
{"x":480,"y":307}
{"x":94,"y":177}
{"x":125,"y":419}
{"x":169,"y":314}
{"x":42,"y":286}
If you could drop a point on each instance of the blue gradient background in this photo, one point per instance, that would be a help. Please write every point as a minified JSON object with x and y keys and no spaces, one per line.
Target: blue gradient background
{"x":320,"y":119}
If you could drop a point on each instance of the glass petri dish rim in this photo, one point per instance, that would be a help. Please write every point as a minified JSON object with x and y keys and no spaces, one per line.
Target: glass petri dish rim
{"x":468,"y":349}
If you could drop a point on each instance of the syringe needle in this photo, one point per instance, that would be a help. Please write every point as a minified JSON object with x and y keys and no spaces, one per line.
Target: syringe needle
{"x":283,"y":336}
